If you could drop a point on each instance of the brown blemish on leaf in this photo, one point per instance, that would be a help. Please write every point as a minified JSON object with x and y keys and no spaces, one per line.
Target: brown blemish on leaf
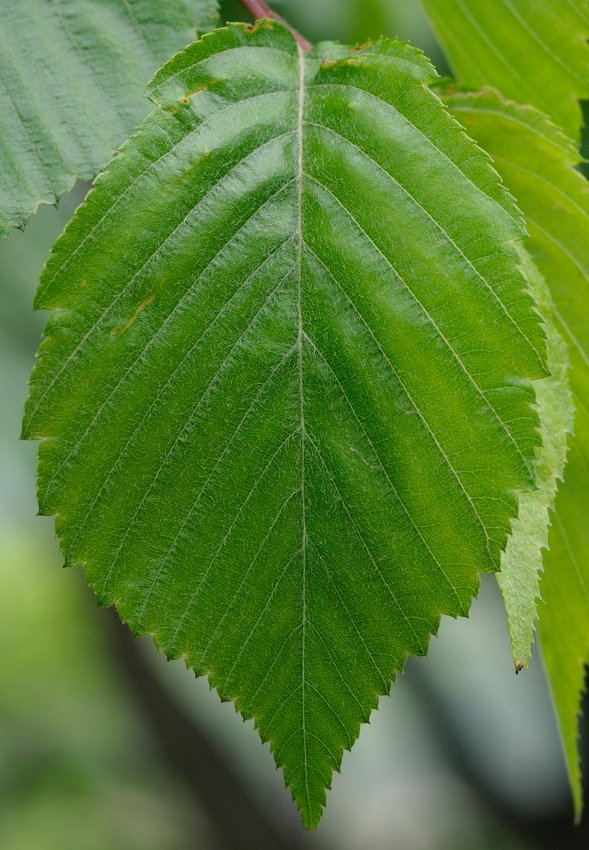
{"x":140,"y":307}
{"x":328,"y":63}
{"x":204,"y":155}
{"x":185,"y":100}
{"x":353,"y":61}
{"x":260,"y":24}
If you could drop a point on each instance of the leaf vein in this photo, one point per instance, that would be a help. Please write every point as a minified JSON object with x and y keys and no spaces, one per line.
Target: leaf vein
{"x":409,"y":397}
{"x":383,"y":469}
{"x":122,"y":292}
{"x":420,"y":304}
{"x":227,"y":360}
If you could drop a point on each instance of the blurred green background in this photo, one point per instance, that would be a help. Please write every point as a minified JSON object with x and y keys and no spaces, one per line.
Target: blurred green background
{"x":463,"y":756}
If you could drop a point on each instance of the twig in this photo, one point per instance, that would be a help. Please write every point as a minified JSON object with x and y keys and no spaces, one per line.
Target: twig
{"x":259,"y":9}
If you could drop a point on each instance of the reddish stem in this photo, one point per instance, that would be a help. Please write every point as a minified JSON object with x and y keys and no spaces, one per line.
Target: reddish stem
{"x":259,"y":9}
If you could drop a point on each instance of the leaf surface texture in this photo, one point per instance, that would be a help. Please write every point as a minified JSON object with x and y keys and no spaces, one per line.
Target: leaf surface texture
{"x":522,"y":561}
{"x":533,"y":51}
{"x":286,"y":397}
{"x":72,"y":80}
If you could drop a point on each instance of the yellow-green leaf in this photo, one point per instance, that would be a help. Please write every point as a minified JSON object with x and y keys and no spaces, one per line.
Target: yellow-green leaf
{"x":533,"y":51}
{"x":538,"y":164}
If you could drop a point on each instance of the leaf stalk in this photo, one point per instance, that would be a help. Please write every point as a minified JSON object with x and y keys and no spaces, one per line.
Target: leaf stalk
{"x":258,"y":9}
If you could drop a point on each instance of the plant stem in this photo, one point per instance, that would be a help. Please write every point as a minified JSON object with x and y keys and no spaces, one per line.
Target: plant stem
{"x":259,"y":9}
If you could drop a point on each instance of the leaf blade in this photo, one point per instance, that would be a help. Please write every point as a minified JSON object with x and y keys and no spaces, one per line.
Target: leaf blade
{"x":537,"y":53}
{"x":256,"y":342}
{"x":522,"y":561}
{"x":72,"y":79}
{"x":563,"y":619}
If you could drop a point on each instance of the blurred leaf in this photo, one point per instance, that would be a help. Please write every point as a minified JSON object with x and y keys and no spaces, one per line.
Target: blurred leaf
{"x":77,"y":768}
{"x":534,"y":51}
{"x":538,"y":163}
{"x":72,"y":76}
{"x":281,"y":435}
{"x":564,"y":616}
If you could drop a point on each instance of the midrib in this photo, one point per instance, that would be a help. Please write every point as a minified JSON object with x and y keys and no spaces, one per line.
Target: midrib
{"x":299,"y":258}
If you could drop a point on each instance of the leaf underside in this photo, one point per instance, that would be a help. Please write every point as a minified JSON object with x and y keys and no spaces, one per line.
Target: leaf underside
{"x":522,"y":560}
{"x":533,"y":51}
{"x":538,"y":162}
{"x":286,"y":397}
{"x":72,"y":80}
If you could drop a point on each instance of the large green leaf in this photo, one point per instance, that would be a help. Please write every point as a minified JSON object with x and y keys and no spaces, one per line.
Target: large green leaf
{"x":72,"y":77}
{"x":538,"y":163}
{"x":534,"y":51}
{"x":285,"y":402}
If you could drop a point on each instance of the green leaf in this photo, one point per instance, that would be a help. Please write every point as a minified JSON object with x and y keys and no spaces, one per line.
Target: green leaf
{"x":521,"y":563}
{"x":538,"y":163}
{"x":534,"y":51}
{"x":72,"y":79}
{"x":286,"y":400}
{"x":564,"y":614}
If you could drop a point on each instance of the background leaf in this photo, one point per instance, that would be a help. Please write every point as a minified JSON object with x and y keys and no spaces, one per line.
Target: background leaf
{"x":534,"y":51}
{"x":564,"y":616}
{"x":72,"y":79}
{"x":285,"y":400}
{"x":521,"y":562}
{"x":538,"y":163}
